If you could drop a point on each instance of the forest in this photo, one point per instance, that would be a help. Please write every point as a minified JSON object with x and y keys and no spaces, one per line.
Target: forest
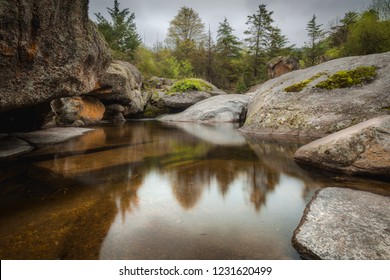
{"x":190,"y":50}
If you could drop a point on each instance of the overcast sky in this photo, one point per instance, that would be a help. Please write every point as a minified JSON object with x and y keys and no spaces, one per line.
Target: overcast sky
{"x":291,"y":16}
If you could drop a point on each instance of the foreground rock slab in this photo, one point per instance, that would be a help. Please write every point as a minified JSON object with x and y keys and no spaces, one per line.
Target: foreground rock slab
{"x":345,"y":224}
{"x":222,"y":108}
{"x":362,"y":149}
{"x":12,"y":147}
{"x":52,"y":135}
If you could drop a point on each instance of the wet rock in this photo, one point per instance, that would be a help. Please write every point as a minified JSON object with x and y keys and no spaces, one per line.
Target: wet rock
{"x":345,"y":224}
{"x":315,"y":112}
{"x":77,"y":111}
{"x":282,"y":65}
{"x":222,"y":108}
{"x":48,"y":50}
{"x":361,"y":149}
{"x":10,"y":146}
{"x":52,"y":135}
{"x":121,"y":85}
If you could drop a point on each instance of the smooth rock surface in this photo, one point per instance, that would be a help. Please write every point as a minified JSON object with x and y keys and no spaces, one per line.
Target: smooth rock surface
{"x":52,"y":135}
{"x":318,"y":112}
{"x":12,"y":147}
{"x":345,"y":224}
{"x":222,"y":108}
{"x":360,"y":149}
{"x":48,"y":49}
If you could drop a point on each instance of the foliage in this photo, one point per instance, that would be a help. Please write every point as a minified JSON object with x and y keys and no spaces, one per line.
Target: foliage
{"x":314,"y":48}
{"x":190,"y":85}
{"x":120,"y":33}
{"x":368,"y":35}
{"x":382,"y":7}
{"x":348,"y":78}
{"x":185,"y":30}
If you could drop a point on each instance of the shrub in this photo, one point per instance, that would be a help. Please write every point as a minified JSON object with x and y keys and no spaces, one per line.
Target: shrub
{"x":190,"y":85}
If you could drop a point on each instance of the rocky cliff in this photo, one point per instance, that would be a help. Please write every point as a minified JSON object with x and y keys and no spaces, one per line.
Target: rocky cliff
{"x":48,"y":49}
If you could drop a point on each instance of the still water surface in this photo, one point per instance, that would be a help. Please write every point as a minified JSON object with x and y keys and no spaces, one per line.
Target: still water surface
{"x":146,"y":190}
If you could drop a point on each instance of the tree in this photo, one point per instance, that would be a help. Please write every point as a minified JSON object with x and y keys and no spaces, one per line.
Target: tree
{"x":368,"y":35}
{"x":228,"y":50}
{"x":382,"y":7}
{"x":277,"y":42}
{"x":121,"y":32}
{"x":259,"y":30}
{"x":314,"y":48}
{"x":185,"y":31}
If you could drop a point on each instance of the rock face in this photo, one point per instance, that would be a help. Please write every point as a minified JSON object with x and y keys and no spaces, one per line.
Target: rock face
{"x":48,"y":49}
{"x":77,"y":111}
{"x":282,"y":65}
{"x":315,"y":112}
{"x":345,"y":224}
{"x":360,"y":149}
{"x":222,"y":108}
{"x":13,"y":147}
{"x":121,"y":85}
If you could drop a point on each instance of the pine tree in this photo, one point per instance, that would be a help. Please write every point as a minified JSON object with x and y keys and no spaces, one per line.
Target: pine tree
{"x":121,"y":32}
{"x":228,"y":50}
{"x":259,"y":30}
{"x":277,"y":43}
{"x":314,"y":48}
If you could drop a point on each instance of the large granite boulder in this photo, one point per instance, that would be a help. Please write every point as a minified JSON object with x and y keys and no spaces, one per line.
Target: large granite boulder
{"x":344,"y":224}
{"x":48,"y":49}
{"x":77,"y":111}
{"x":281,"y":65}
{"x":121,"y":85}
{"x":361,"y":149}
{"x":222,"y":108}
{"x":295,"y":104}
{"x":168,"y":101}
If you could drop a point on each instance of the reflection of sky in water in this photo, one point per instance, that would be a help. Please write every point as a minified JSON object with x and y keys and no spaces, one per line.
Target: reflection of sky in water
{"x":228,"y":222}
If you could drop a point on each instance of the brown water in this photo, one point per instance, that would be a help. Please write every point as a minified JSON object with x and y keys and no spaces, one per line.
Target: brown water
{"x":146,"y":190}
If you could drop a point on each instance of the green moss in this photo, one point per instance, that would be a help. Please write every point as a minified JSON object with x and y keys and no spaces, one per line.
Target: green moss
{"x":190,"y":85}
{"x":349,"y":78}
{"x":301,"y":85}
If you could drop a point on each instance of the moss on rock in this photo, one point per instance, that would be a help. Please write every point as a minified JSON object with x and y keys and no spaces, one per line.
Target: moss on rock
{"x":301,"y":85}
{"x":190,"y":85}
{"x":349,"y":78}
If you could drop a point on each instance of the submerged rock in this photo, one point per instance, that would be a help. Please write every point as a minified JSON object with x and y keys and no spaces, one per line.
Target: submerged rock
{"x":344,"y":224}
{"x":10,"y":146}
{"x":48,"y":50}
{"x":360,"y":149}
{"x":292,"y":105}
{"x":52,"y":135}
{"x":222,"y":108}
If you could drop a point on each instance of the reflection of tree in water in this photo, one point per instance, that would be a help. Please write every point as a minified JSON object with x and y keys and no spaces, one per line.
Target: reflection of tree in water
{"x":262,"y":181}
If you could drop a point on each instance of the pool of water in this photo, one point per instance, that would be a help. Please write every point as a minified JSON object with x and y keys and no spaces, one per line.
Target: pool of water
{"x":147,"y":190}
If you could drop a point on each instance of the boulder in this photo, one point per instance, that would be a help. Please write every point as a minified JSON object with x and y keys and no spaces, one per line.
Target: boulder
{"x":48,"y":50}
{"x":121,"y":85}
{"x":344,"y":224}
{"x":159,"y":83}
{"x":222,"y":108}
{"x":77,"y":111}
{"x":361,"y":149}
{"x":281,"y":65}
{"x":293,"y":105}
{"x":10,"y":146}
{"x":52,"y":136}
{"x":167,"y":101}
